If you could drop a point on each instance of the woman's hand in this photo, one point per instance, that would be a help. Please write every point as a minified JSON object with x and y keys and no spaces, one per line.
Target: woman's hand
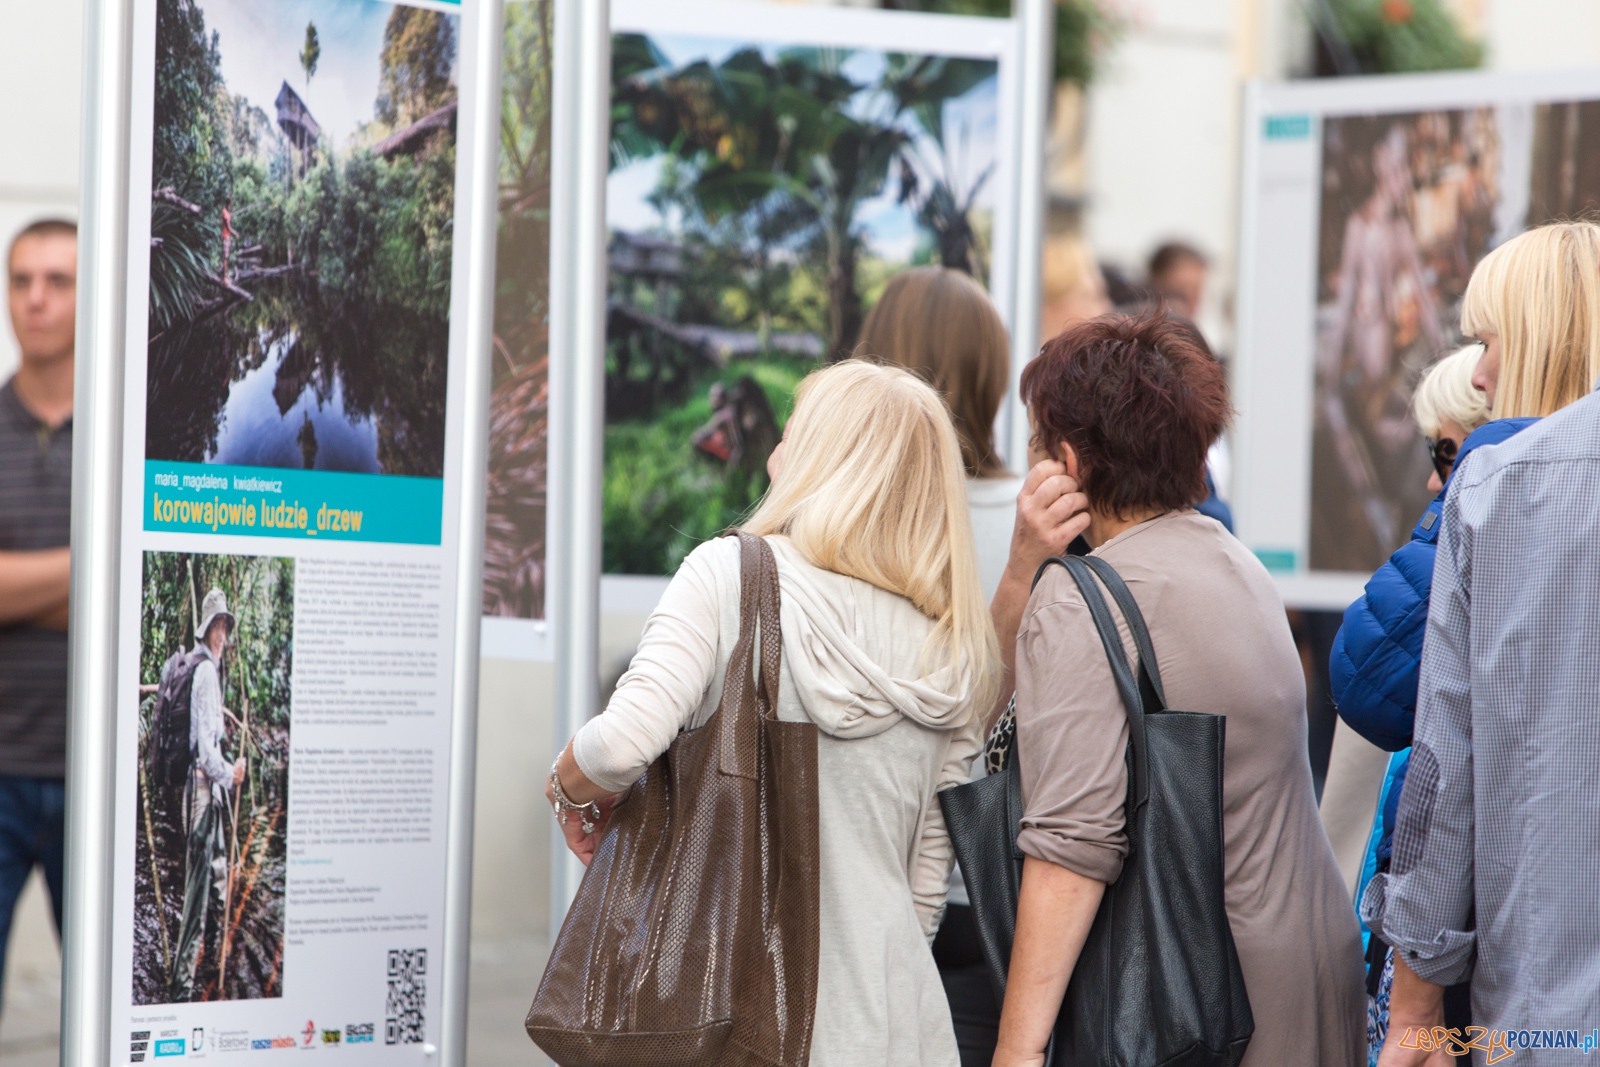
{"x":580,"y":790}
{"x":1051,"y":511}
{"x":582,"y":844}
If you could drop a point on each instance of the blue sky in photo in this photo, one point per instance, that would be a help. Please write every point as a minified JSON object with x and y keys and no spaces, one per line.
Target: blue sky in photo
{"x":260,"y":45}
{"x":890,"y":229}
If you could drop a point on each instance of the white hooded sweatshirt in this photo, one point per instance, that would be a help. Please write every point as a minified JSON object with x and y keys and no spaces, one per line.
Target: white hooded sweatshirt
{"x":889,"y":740}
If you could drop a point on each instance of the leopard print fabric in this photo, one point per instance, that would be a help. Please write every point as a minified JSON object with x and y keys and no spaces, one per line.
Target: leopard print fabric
{"x":1002,"y":738}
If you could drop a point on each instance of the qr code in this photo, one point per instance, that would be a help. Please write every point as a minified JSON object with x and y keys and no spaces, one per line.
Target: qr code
{"x":408,"y":996}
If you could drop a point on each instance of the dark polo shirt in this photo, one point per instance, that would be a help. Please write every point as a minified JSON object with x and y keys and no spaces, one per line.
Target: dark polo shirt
{"x":35,"y":512}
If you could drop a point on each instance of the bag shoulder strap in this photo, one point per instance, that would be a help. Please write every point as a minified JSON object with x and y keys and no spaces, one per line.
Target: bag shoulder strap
{"x":1149,"y":669}
{"x":747,"y":696}
{"x":1133,"y":700}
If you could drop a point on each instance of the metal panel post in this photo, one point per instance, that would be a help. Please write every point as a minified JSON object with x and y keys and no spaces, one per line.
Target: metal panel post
{"x":482,"y":168}
{"x":96,"y":535}
{"x":579,"y":154}
{"x":1038,"y":79}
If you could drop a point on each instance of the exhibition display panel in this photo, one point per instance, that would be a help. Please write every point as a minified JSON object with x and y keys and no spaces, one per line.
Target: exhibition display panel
{"x":1366,"y":203}
{"x":289,"y":615}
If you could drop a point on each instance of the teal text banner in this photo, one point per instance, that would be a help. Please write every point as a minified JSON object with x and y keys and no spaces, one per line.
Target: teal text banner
{"x":269,"y":502}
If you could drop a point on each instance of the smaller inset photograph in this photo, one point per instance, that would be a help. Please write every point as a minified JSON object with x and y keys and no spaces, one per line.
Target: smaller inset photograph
{"x":215,"y":662}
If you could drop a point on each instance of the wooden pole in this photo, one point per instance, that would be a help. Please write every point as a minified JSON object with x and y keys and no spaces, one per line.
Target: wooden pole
{"x":233,"y":849}
{"x":155,"y":872}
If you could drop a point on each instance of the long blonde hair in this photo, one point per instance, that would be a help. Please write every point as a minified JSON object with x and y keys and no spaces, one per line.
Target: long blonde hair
{"x":872,"y":486}
{"x":1540,"y":293}
{"x":1446,"y":392}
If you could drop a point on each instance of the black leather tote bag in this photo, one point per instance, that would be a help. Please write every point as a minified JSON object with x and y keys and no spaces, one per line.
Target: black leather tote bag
{"x":1158,"y":982}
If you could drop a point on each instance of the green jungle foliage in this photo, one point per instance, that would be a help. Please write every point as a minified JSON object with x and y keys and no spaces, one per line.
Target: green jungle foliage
{"x":339,"y":257}
{"x":766,"y":163}
{"x":661,"y":498}
{"x":419,"y":49}
{"x":777,"y":144}
{"x":513,"y":551}
{"x":310,"y":52}
{"x":1404,"y":36}
{"x":242,"y":958}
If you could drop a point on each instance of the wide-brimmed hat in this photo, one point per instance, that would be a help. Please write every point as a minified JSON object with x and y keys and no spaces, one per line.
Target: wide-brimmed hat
{"x":215,"y":605}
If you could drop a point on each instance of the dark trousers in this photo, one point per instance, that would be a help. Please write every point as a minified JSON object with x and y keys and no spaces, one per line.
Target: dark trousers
{"x":205,"y":877}
{"x":968,"y":986}
{"x":32,"y":833}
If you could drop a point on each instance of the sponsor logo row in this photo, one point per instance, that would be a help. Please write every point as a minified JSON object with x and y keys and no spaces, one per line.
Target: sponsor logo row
{"x":168,"y":1043}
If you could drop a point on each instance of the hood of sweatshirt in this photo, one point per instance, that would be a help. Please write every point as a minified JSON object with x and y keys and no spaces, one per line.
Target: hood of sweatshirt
{"x":853,"y":652}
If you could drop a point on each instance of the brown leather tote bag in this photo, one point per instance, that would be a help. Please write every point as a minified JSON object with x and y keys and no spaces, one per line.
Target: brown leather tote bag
{"x":693,"y":938}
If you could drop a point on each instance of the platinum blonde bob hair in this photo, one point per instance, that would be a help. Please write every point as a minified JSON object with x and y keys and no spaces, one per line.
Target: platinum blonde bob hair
{"x":872,"y":486}
{"x":1540,"y":294}
{"x":1446,"y":392}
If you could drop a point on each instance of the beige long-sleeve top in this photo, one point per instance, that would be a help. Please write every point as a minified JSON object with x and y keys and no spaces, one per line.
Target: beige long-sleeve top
{"x":889,"y":739}
{"x":1222,"y":644}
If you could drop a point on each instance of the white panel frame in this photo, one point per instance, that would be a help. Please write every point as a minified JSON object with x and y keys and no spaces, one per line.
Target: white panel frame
{"x":1021,"y":47}
{"x":1273,"y":370}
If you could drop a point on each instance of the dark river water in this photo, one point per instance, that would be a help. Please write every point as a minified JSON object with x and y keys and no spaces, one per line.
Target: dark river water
{"x":291,"y":381}
{"x":258,"y":430}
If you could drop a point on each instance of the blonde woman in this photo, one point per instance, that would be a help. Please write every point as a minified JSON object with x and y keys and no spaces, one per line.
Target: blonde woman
{"x":887,"y":647}
{"x":1376,"y":652}
{"x":942,"y":326}
{"x":1534,"y":302}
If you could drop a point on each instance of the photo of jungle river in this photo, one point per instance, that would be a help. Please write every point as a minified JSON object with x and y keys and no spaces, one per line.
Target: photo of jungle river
{"x":303,"y":192}
{"x":760,"y":198}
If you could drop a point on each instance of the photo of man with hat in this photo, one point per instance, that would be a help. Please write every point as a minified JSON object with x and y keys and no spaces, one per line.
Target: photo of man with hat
{"x":211,"y":779}
{"x":211,"y":850}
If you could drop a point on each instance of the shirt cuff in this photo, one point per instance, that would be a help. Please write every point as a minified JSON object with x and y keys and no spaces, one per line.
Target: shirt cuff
{"x":588,"y":752}
{"x":1103,"y":863}
{"x":1444,"y":958}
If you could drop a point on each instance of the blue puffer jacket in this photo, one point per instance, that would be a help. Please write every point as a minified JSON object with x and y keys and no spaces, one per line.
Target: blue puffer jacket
{"x":1378,"y":650}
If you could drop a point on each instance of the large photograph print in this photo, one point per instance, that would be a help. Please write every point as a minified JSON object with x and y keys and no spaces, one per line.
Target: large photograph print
{"x":303,"y":191}
{"x":1410,"y":204}
{"x":1408,"y":208}
{"x":513,"y":542}
{"x":215,"y":663}
{"x":761,"y":195}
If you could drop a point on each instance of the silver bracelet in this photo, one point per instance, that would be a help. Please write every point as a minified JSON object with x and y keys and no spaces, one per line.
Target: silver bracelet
{"x":588,"y":814}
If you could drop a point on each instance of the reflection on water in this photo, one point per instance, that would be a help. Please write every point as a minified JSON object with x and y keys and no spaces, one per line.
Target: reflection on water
{"x":278,"y":415}
{"x":293,"y":380}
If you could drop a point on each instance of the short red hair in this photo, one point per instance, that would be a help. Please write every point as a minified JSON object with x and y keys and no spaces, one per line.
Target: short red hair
{"x":1140,"y":400}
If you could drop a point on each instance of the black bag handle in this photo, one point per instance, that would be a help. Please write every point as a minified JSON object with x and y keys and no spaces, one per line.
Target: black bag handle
{"x":1149,"y":671}
{"x":1133,"y":694}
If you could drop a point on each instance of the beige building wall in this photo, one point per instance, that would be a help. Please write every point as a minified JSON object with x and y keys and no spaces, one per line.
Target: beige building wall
{"x":40,"y":65}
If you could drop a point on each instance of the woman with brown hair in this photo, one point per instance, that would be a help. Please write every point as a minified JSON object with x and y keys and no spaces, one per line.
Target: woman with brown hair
{"x":940,"y":325}
{"x":1129,"y":408}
